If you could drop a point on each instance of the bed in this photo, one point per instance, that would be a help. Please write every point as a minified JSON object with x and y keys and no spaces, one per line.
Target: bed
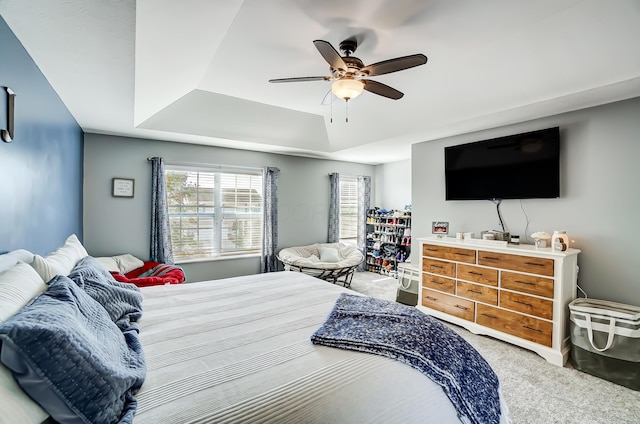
{"x":239,"y":350}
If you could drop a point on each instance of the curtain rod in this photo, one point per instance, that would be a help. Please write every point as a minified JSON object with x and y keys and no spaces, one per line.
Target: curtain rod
{"x":212,"y":166}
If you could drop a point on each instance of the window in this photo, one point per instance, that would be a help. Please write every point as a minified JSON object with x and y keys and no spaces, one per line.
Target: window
{"x":214,"y":212}
{"x":348,"y":210}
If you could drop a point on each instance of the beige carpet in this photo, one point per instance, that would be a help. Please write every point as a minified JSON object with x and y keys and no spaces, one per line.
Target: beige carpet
{"x":374,"y":285}
{"x":536,"y":391}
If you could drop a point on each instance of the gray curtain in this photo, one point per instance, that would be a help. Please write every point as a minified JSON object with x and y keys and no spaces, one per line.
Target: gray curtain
{"x":160,"y":247}
{"x":364,"y":203}
{"x":269,"y":260}
{"x":334,"y":209}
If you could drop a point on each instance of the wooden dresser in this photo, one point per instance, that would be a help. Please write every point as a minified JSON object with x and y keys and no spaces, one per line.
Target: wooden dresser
{"x":518,"y":294}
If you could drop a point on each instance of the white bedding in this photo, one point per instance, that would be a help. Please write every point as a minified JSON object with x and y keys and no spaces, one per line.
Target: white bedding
{"x":238,"y":350}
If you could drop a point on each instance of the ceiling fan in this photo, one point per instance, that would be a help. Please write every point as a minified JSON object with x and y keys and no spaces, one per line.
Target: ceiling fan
{"x":349,"y":73}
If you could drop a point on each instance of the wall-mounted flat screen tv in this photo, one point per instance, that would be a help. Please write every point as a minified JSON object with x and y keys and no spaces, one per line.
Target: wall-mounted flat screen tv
{"x":521,"y":166}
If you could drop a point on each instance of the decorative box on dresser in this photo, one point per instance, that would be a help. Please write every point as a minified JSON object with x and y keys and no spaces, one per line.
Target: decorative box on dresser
{"x":518,"y":294}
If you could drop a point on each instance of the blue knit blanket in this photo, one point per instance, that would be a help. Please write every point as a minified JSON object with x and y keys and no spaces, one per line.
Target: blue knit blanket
{"x":75,"y":349}
{"x":410,"y":336}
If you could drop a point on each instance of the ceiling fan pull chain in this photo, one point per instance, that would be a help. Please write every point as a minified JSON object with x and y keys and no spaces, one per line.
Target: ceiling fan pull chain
{"x":346,"y":110}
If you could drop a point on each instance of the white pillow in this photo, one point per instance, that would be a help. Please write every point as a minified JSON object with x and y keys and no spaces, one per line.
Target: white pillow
{"x":62,"y":260}
{"x":18,"y":286}
{"x":16,"y":406}
{"x":8,"y":260}
{"x":127,"y":263}
{"x":329,"y":254}
{"x":109,"y":263}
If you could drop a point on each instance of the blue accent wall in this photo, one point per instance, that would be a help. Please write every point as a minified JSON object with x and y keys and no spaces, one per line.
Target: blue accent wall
{"x":41,"y":171}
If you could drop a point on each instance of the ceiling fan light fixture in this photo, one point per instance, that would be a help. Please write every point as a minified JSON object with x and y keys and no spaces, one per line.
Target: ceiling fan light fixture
{"x":347,"y":88}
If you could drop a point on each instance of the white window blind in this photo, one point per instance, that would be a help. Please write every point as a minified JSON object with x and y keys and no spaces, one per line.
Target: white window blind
{"x":214,"y":212}
{"x":348,"y":209}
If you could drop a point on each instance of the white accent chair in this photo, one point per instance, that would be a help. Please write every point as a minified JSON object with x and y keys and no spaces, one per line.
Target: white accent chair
{"x":333,"y":262}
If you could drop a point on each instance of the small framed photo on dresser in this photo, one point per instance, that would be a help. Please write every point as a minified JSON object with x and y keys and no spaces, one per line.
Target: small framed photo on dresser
{"x":123,"y":187}
{"x":440,"y":227}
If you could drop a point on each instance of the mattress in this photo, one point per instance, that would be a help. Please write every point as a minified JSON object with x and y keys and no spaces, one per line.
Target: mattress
{"x":238,"y":350}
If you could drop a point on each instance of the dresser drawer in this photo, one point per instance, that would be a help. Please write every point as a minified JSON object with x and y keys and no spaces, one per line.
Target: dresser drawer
{"x":518,"y":325}
{"x":526,"y":304}
{"x":531,"y":284}
{"x":478,"y":274}
{"x":439,"y":283}
{"x":450,"y":253}
{"x":448,"y":304}
{"x":533,"y":265}
{"x":477,"y":292}
{"x":439,"y":267}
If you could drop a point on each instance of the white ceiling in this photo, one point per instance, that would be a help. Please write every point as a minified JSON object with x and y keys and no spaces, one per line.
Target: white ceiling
{"x":197,"y":70}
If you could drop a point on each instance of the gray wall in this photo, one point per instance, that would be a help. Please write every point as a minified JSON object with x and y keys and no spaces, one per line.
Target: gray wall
{"x":393,"y":184}
{"x":598,"y":205}
{"x":121,"y":225}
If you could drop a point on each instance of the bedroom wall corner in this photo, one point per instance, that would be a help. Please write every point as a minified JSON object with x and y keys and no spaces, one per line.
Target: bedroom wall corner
{"x":42,"y":169}
{"x":121,"y":225}
{"x":393,"y":184}
{"x":599,"y":195}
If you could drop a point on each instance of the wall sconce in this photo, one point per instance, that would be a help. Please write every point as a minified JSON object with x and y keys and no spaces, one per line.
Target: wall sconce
{"x":7,"y":135}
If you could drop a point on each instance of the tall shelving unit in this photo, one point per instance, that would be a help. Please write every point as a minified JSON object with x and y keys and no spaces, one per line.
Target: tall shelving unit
{"x":388,"y":240}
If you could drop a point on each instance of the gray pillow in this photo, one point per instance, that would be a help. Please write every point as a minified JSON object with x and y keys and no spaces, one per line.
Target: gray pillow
{"x":122,"y":301}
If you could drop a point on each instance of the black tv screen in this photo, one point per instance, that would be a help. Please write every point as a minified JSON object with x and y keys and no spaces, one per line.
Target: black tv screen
{"x":521,"y":166}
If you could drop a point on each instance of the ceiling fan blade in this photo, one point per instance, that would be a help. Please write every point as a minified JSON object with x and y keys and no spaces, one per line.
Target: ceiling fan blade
{"x":381,"y":89}
{"x":330,"y":54}
{"x":300,"y":79}
{"x":394,"y":65}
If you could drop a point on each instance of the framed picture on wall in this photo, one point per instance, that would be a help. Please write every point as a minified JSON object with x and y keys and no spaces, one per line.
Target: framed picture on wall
{"x":123,"y":187}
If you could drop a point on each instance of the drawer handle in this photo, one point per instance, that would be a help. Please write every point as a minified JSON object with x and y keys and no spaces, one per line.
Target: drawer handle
{"x":436,"y":266}
{"x":490,"y":258}
{"x":430,"y":249}
{"x":474,"y":291}
{"x":475,"y":273}
{"x":532,"y":329}
{"x":534,"y":263}
{"x":524,"y":303}
{"x":461,"y":307}
{"x":431,"y":298}
{"x":435,"y":282}
{"x":490,"y":316}
{"x":528,"y":283}
{"x":462,"y":254}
